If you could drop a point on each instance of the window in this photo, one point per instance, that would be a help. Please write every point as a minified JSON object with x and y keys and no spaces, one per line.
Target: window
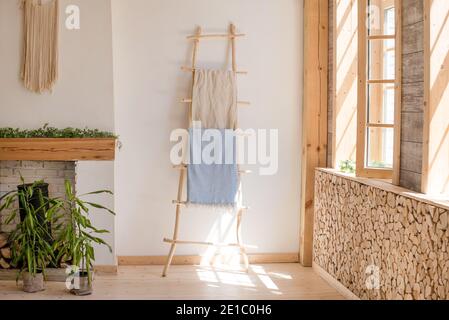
{"x":378,"y":98}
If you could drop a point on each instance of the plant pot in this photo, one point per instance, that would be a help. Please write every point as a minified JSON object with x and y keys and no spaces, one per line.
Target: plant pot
{"x":82,"y":286}
{"x":33,"y":284}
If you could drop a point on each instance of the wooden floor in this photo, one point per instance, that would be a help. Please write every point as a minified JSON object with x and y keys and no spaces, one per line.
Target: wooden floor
{"x":273,"y":281}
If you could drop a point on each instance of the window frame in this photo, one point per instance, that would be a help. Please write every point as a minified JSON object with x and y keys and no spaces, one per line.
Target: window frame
{"x":362,"y":169}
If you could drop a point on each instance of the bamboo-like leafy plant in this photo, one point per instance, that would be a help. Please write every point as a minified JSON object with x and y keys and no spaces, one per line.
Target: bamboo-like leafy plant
{"x":78,"y":236}
{"x":31,"y":246}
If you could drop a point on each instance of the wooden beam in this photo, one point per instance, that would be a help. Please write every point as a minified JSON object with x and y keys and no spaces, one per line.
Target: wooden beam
{"x":314,"y":115}
{"x":46,"y":149}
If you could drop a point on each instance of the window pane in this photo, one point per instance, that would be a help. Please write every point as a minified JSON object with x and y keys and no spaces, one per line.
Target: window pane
{"x":381,"y":60}
{"x":389,"y":18}
{"x":380,"y":147}
{"x":381,"y":15}
{"x":389,"y":63}
{"x":380,"y":97}
{"x":381,"y":103}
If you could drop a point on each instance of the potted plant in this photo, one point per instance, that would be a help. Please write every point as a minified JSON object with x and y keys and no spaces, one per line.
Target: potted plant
{"x":347,"y":166}
{"x":31,"y":247}
{"x":78,"y":237}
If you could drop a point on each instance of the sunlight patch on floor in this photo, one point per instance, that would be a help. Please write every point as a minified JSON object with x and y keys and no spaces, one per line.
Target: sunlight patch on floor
{"x":264,"y":277}
{"x":256,"y":278}
{"x":225,"y":277}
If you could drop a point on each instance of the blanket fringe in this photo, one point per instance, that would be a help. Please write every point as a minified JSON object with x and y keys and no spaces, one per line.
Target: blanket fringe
{"x":216,"y":208}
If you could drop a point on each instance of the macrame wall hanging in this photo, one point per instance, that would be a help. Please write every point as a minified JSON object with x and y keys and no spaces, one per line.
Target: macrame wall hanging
{"x":40,"y":44}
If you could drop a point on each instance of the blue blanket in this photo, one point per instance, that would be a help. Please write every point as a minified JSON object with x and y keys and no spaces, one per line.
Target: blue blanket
{"x":217,"y":183}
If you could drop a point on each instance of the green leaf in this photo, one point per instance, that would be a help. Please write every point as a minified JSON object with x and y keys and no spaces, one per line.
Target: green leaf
{"x":9,"y":198}
{"x":101,"y":231}
{"x":98,"y":206}
{"x":97,"y":192}
{"x":68,"y":189}
{"x":82,"y":205}
{"x":29,"y":260}
{"x":11,"y":217}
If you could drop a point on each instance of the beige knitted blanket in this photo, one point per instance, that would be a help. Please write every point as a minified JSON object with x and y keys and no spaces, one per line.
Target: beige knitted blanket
{"x":40,"y":44}
{"x":214,"y":100}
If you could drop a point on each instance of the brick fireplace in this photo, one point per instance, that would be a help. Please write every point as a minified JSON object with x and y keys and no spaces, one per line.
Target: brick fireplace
{"x":55,"y":173}
{"x":86,"y":162}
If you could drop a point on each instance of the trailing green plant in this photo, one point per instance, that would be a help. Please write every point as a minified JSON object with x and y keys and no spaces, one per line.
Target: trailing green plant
{"x":78,"y":236}
{"x":347,"y":166}
{"x":50,"y":132}
{"x":31,"y":246}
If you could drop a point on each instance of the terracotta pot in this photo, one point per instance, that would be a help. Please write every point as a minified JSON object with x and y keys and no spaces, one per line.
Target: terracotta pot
{"x":33,"y":284}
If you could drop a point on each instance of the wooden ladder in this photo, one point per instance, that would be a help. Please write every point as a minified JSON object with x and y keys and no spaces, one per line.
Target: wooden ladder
{"x":232,"y":35}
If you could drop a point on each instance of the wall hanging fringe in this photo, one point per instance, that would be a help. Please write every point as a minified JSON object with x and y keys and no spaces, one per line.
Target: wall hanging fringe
{"x":40,"y":44}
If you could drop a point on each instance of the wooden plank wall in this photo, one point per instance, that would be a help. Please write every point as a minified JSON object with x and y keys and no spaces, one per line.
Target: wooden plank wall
{"x":412,"y":94}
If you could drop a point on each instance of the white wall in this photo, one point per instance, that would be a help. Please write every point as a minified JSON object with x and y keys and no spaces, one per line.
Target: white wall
{"x":83,"y":95}
{"x":92,"y":176}
{"x":149,"y":48}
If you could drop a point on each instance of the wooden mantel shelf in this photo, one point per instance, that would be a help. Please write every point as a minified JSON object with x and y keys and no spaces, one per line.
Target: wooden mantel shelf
{"x":55,"y":149}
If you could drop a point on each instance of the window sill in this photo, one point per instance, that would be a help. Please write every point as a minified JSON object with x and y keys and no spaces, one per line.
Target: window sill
{"x":386,"y":185}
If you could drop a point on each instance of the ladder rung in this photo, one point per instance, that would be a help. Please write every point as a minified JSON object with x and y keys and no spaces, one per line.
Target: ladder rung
{"x":184,"y":203}
{"x":189,"y":69}
{"x":202,"y":243}
{"x":241,"y":103}
{"x":238,"y":133}
{"x":184,"y":167}
{"x":181,"y":203}
{"x":212,"y":36}
{"x":211,"y":244}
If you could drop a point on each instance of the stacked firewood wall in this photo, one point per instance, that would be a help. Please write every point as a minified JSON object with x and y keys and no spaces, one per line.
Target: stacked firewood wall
{"x":380,"y":244}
